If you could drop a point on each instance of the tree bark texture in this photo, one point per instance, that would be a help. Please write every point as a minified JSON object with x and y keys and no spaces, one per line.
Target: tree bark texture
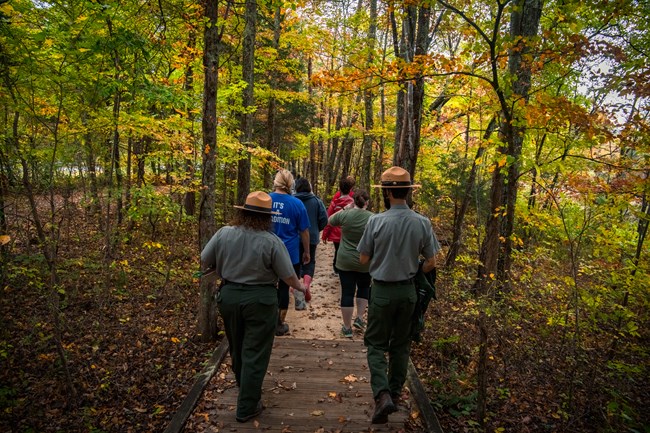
{"x":248,"y":75}
{"x":414,"y":41}
{"x":207,"y":226}
{"x":368,"y":99}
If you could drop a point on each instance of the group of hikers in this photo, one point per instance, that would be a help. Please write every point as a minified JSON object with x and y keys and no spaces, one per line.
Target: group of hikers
{"x":269,"y":249}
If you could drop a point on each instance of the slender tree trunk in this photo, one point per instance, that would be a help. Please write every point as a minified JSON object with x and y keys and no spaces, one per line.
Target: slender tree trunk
{"x":189,"y":200}
{"x":95,"y":206}
{"x":496,"y":251}
{"x":332,"y":166}
{"x":414,"y":41}
{"x":273,"y":145}
{"x":368,"y":99}
{"x":248,"y":75}
{"x":207,"y":227}
{"x":459,"y":217}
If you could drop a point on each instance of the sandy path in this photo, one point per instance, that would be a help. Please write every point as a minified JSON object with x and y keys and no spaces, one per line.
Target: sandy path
{"x":322,"y":318}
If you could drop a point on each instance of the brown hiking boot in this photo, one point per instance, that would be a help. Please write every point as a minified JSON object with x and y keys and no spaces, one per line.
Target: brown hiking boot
{"x":383,"y":407}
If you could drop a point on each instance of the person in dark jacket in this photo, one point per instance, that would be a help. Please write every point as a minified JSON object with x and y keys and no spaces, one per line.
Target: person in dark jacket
{"x":317,"y":222}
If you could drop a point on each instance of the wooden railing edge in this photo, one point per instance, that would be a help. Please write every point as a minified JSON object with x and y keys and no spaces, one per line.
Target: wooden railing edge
{"x":421,"y":398}
{"x":177,"y":424}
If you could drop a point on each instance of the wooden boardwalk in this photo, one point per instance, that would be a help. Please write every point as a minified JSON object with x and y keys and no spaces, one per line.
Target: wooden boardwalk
{"x":317,"y":384}
{"x":311,"y":386}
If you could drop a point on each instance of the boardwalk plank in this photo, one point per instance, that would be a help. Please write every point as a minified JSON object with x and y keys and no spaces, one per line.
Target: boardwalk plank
{"x":304,"y":393}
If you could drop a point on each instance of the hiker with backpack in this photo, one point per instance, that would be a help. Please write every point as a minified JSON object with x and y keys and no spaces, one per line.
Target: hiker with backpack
{"x":342,"y":199}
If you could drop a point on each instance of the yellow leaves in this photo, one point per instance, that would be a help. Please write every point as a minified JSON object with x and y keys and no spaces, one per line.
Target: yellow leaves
{"x":6,"y":9}
{"x":175,"y":340}
{"x":5,"y":239}
{"x":317,"y":413}
{"x":350,"y":378}
{"x":151,"y":245}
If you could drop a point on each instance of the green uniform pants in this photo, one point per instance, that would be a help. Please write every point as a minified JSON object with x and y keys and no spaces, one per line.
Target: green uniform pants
{"x":389,"y":333}
{"x":250,"y":315}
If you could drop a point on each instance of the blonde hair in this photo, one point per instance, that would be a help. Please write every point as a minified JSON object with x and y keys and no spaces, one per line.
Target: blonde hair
{"x":283,"y":180}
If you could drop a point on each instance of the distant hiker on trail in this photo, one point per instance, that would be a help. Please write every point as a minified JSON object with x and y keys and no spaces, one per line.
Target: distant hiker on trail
{"x":341,"y":200}
{"x":292,"y":226}
{"x":355,"y":279}
{"x":317,"y":222}
{"x":392,"y":243}
{"x":249,"y":258}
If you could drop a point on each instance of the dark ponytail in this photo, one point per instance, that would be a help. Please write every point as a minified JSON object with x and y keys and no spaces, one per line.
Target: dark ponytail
{"x":361,"y":197}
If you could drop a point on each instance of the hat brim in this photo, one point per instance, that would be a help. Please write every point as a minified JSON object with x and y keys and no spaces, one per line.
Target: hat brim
{"x":258,"y":210}
{"x":396,"y":186}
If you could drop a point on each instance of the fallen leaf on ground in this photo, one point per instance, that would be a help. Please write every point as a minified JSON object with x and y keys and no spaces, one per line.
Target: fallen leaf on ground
{"x":349,"y":378}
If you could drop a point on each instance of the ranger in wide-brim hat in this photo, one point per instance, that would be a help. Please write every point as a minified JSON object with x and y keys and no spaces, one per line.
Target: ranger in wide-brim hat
{"x":260,"y":202}
{"x":396,"y":177}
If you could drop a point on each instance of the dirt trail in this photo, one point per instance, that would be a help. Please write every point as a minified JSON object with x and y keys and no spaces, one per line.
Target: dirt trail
{"x":322,"y":318}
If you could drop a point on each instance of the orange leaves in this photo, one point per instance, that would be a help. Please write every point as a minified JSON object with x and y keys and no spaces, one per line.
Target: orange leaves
{"x":350,"y":378}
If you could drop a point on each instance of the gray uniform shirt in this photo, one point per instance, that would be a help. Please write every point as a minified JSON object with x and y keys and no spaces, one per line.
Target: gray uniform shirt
{"x":395,"y":240}
{"x":245,"y":256}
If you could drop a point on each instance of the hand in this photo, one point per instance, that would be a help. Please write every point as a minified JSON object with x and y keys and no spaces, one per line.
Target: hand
{"x":300,"y":288}
{"x":324,"y":241}
{"x":306,"y":258}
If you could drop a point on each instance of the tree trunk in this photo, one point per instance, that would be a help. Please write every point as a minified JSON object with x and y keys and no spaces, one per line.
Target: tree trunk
{"x":248,"y":71}
{"x":207,"y":227}
{"x":459,"y":216}
{"x":332,"y":166}
{"x":189,"y":200}
{"x":273,"y":145}
{"x":368,"y":99}
{"x":524,"y":24}
{"x":414,"y":41}
{"x":495,"y":254}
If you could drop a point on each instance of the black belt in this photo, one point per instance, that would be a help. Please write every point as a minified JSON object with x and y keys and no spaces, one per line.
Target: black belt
{"x":395,"y":283}
{"x":232,"y":283}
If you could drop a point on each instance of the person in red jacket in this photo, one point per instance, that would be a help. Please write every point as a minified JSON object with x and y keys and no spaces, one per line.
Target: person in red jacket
{"x":342,"y":199}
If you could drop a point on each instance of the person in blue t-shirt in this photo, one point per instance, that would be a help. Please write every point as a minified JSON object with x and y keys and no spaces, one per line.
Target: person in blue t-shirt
{"x":292,"y":226}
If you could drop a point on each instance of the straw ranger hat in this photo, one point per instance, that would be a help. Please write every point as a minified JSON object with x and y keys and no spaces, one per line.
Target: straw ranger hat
{"x":396,"y":177}
{"x":259,"y":201}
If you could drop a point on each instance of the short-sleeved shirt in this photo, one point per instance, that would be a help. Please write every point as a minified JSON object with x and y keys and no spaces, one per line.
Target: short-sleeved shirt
{"x":395,"y":240}
{"x":245,"y":256}
{"x":352,"y":223}
{"x":292,"y":221}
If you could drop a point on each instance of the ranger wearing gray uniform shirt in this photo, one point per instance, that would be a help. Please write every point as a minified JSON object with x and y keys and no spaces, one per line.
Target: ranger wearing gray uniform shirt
{"x":250,"y":259}
{"x":392,"y":243}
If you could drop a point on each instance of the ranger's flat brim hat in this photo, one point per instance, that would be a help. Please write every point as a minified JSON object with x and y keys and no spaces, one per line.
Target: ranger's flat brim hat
{"x":396,"y":177}
{"x":260,"y":202}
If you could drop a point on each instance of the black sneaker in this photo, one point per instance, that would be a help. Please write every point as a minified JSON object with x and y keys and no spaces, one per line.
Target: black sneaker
{"x":281,"y":329}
